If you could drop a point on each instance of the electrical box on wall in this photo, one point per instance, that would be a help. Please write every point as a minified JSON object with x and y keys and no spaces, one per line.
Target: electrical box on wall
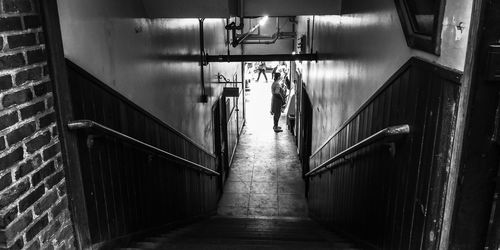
{"x":301,"y":44}
{"x":493,"y":64}
{"x":231,"y":92}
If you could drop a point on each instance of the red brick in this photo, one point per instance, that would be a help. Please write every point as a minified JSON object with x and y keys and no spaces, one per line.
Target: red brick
{"x":32,"y":22}
{"x":17,"y":6}
{"x":62,"y":189}
{"x":5,"y":181}
{"x":3,"y":146}
{"x":36,"y":56}
{"x":9,"y":234}
{"x":53,"y":180}
{"x":41,"y":38}
{"x":33,"y":74}
{"x":51,"y":231}
{"x":65,"y":234}
{"x":45,"y":203}
{"x":47,"y":120}
{"x":29,"y":166}
{"x":8,"y":120}
{"x":32,"y":110}
{"x":59,"y":207}
{"x":50,"y":102}
{"x":34,"y":246}
{"x":10,"y":24}
{"x":22,"y":40}
{"x":8,"y":216}
{"x":11,"y":158}
{"x":11,"y":61}
{"x":18,"y":97}
{"x":39,"y":176}
{"x":20,"y":133}
{"x":54,"y":132}
{"x":37,"y":227}
{"x":5,"y":82}
{"x":48,"y":246}
{"x":38,"y":142}
{"x":46,"y":70}
{"x":18,"y":245}
{"x":51,"y":151}
{"x":42,"y":88}
{"x":11,"y":194}
{"x":31,"y":198}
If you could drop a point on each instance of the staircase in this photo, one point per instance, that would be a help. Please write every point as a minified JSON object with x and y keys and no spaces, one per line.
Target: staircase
{"x":248,"y":233}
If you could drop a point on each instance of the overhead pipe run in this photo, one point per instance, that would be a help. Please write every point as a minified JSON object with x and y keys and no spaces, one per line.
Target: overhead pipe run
{"x":256,"y":39}
{"x":242,"y":38}
{"x":268,"y":57}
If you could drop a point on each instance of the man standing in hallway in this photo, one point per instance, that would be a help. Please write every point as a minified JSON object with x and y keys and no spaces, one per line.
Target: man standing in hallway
{"x":262,"y":70}
{"x":276,"y":101}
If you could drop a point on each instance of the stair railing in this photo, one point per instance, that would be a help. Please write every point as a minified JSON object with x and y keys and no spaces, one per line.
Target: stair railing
{"x":389,"y":134}
{"x":89,"y":124}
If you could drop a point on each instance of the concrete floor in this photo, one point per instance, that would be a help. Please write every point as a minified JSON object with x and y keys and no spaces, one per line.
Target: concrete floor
{"x":265,"y":178}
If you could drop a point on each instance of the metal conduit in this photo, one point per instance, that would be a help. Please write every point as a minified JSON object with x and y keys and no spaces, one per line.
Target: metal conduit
{"x":268,"y":57}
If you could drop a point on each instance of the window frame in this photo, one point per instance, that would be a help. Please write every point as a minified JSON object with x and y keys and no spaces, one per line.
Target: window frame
{"x":432,"y":43}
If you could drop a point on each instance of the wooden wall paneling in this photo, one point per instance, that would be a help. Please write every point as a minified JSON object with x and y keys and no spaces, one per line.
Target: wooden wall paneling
{"x":426,"y":164}
{"x":390,"y":186}
{"x":100,"y":154}
{"x":124,"y":184}
{"x":107,"y":113}
{"x":116,"y":170}
{"x":89,"y":186}
{"x":98,"y":173}
{"x":406,"y":197}
{"x":444,"y":133}
{"x":120,"y":200}
{"x":112,"y":189}
{"x":399,"y":194}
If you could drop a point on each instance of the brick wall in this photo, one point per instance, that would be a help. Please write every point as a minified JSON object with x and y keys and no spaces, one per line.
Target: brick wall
{"x":33,"y":201}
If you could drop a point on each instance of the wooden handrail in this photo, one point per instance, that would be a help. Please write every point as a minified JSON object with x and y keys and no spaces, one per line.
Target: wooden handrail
{"x":387,"y":134}
{"x":88,"y":124}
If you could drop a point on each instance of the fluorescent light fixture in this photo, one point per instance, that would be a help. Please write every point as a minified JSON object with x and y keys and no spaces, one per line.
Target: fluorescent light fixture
{"x":263,"y":20}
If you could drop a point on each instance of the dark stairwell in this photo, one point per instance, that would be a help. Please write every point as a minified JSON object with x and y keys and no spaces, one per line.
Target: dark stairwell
{"x":263,"y":204}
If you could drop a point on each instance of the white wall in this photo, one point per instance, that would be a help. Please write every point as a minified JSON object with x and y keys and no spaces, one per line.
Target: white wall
{"x":360,"y":50}
{"x":153,"y":62}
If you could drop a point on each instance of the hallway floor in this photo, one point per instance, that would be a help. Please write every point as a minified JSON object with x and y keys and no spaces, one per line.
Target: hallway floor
{"x":265,"y":178}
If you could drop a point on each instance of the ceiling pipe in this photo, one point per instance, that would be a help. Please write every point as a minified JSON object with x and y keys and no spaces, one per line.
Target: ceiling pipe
{"x":256,"y":39}
{"x":242,"y":38}
{"x":267,"y":57}
{"x":272,"y":40}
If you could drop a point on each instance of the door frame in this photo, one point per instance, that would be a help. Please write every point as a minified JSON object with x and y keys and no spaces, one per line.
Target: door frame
{"x":64,"y":113}
{"x":216,"y":117}
{"x":305,"y":129}
{"x":464,"y":181}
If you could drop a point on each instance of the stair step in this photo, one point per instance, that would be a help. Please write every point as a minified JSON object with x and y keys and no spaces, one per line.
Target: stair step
{"x":248,"y":233}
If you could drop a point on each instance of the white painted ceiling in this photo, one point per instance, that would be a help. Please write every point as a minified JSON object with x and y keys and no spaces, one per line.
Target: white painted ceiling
{"x":226,"y":8}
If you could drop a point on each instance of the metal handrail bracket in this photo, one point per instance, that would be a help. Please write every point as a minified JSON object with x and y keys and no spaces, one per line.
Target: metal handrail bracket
{"x":388,"y":134}
{"x":88,"y":124}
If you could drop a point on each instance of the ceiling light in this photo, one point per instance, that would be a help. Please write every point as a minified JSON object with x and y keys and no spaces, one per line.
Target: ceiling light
{"x":263,"y":20}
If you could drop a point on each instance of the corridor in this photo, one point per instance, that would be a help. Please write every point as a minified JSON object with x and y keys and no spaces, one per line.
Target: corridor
{"x":132,"y":124}
{"x":263,"y":205}
{"x":265,"y":177}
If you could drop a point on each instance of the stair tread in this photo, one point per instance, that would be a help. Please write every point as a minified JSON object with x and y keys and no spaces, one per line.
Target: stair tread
{"x":248,"y":233}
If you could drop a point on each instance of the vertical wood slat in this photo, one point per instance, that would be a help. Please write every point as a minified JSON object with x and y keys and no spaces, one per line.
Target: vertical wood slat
{"x":129,"y":190}
{"x":380,"y":198}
